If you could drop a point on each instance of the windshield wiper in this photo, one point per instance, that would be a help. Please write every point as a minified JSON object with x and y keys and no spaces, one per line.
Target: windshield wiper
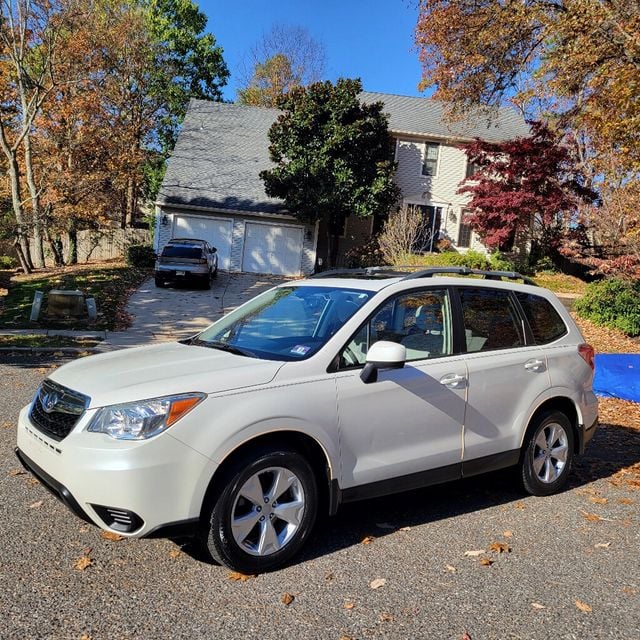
{"x":222,"y":346}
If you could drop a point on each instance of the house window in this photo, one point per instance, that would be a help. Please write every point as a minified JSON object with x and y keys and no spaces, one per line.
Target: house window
{"x":430,"y":159}
{"x":464,"y":233}
{"x":471,"y":169}
{"x":429,"y":229}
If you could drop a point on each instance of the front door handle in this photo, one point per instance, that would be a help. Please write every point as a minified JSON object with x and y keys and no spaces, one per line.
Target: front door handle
{"x":453,"y":380}
{"x":534,"y":365}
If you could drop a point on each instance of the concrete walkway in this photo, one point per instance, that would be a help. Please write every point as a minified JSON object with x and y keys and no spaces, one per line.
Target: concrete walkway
{"x":161,"y":315}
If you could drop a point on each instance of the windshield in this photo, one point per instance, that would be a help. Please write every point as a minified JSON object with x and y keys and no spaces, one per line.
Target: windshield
{"x":287,"y":323}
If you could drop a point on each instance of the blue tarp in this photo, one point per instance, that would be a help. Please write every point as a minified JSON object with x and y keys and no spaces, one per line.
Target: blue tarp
{"x":618,"y":376}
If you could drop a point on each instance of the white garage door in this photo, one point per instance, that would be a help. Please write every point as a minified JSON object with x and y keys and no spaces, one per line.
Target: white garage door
{"x":270,"y":248}
{"x":216,"y":231}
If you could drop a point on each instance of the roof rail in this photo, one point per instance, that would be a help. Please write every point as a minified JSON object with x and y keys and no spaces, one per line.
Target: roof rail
{"x":360,"y":271}
{"x":465,"y":271}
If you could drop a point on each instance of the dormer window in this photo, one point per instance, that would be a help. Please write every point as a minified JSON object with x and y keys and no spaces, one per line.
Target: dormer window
{"x":430,"y":158}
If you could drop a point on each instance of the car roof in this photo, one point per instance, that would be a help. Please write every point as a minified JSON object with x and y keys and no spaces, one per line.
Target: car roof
{"x":186,"y":241}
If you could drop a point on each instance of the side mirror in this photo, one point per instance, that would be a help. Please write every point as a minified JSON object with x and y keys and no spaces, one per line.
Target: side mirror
{"x":383,"y":355}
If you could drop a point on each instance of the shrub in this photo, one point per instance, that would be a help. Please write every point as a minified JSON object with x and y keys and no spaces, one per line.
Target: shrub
{"x":613,"y":303}
{"x":141,"y":256}
{"x":498,"y":262}
{"x":7,"y":262}
{"x":365,"y":255}
{"x":401,"y":233}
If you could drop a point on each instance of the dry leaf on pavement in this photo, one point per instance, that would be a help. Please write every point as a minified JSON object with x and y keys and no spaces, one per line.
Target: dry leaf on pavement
{"x":367,"y":540}
{"x":465,"y":636}
{"x":450,"y":568}
{"x":537,"y":605}
{"x":386,"y":617}
{"x":175,"y":553}
{"x":239,"y":577}
{"x":499,"y":547}
{"x":344,"y":637}
{"x":37,"y":504}
{"x":597,"y":500}
{"x":348,"y":605}
{"x":82,"y":563}
{"x":474,"y":553}
{"x":486,"y":562}
{"x":602,"y":545}
{"x":377,"y":583}
{"x":583,"y":606}
{"x":508,"y":534}
{"x":404,"y":529}
{"x":625,"y":501}
{"x":591,"y":517}
{"x":328,"y":576}
{"x":519,"y":505}
{"x":287,"y":598}
{"x":17,"y":472}
{"x":113,"y":537}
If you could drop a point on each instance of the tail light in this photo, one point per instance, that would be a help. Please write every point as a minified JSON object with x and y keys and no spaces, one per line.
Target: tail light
{"x":587,"y":353}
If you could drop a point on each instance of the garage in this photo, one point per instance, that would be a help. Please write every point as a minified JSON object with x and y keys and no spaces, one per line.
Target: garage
{"x":270,"y":248}
{"x":217,"y":231}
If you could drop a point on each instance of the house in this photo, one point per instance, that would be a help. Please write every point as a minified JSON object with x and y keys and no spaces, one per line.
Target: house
{"x":212,"y":189}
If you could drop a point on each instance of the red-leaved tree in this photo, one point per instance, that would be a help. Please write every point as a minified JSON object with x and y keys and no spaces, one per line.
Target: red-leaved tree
{"x":527,"y":188}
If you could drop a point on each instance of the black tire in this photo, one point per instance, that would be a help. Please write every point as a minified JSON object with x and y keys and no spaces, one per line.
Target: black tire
{"x":218,"y":536}
{"x":160,"y":283}
{"x":214,"y":275}
{"x":550,"y":438}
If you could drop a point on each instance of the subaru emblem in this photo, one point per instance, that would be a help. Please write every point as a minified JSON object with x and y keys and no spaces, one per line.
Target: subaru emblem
{"x":49,"y":401}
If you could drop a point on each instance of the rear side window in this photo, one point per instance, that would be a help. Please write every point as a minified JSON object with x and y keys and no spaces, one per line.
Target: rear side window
{"x":545,"y":322}
{"x":490,"y":320}
{"x":177,"y":251}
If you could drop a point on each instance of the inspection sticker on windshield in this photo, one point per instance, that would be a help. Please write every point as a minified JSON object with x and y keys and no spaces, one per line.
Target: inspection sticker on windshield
{"x":300,"y":350}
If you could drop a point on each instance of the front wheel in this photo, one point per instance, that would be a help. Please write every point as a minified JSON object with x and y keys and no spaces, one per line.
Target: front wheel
{"x":264,"y":512}
{"x":547,"y":454}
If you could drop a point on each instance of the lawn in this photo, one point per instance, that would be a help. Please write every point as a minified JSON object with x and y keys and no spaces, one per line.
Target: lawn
{"x":109,"y":283}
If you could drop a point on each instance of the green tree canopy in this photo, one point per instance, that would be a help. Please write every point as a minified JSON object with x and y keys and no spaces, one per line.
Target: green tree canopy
{"x":333,"y":155}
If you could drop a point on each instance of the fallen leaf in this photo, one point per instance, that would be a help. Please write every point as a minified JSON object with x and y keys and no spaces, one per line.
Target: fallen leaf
{"x":486,"y":562}
{"x":591,"y":517}
{"x":583,"y":606}
{"x":499,"y":547}
{"x":343,"y":637}
{"x":17,"y":472}
{"x":287,"y":599}
{"x":82,"y":563}
{"x":42,"y":370}
{"x":597,"y":500}
{"x":602,"y":545}
{"x":239,"y":577}
{"x":175,"y":553}
{"x":537,"y":605}
{"x":377,"y":583}
{"x":367,"y":540}
{"x":475,"y":553}
{"x":34,"y":481}
{"x":507,"y":534}
{"x":465,"y":636}
{"x":85,"y":636}
{"x":83,"y":529}
{"x":519,"y":505}
{"x":449,"y":568}
{"x":625,"y":501}
{"x":328,"y":576}
{"x":384,"y":525}
{"x":629,"y":591}
{"x":6,"y":425}
{"x":386,"y":617}
{"x":109,"y":535}
{"x":37,"y":504}
{"x":348,"y":605}
{"x":404,"y":529}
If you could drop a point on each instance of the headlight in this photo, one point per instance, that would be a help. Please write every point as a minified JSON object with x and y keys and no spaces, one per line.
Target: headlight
{"x":144,"y":419}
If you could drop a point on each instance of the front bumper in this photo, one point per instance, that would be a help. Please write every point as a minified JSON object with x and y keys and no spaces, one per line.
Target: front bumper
{"x":159,"y":481}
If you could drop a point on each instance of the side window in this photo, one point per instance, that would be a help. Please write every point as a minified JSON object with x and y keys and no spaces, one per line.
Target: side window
{"x":420,"y":320}
{"x":490,"y":321}
{"x":544,"y":320}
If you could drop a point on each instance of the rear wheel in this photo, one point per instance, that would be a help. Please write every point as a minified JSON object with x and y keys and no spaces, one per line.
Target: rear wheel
{"x":547,"y":454}
{"x":264,"y":512}
{"x":159,"y":282}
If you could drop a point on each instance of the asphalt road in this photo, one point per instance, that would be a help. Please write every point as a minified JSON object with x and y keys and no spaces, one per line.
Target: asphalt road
{"x":561,"y":554}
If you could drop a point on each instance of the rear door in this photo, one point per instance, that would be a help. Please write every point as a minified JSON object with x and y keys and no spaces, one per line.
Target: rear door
{"x":505,"y":377}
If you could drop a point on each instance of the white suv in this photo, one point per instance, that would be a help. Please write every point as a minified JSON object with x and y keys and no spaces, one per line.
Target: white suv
{"x":313,"y":394}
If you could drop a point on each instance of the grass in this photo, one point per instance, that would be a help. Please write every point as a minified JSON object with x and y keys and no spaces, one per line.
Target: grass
{"x":40,"y":340}
{"x":560,"y":282}
{"x":109,"y":283}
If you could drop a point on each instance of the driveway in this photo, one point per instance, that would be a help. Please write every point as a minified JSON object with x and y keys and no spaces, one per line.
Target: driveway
{"x":163,"y":314}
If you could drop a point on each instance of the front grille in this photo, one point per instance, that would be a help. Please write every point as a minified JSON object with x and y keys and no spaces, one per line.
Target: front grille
{"x":57,"y":409}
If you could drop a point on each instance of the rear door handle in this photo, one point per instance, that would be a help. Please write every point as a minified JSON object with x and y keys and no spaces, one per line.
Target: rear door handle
{"x":453,"y":380}
{"x":534,"y":365}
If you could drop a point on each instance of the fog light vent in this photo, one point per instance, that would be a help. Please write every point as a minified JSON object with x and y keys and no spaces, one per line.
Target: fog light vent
{"x":119,"y":519}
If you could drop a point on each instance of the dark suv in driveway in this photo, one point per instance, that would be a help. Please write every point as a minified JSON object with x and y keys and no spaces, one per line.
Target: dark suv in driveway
{"x":186,"y":260}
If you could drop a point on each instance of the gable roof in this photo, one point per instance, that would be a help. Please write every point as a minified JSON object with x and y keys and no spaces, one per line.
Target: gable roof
{"x":217,"y":159}
{"x":425,"y":117}
{"x":222,"y":148}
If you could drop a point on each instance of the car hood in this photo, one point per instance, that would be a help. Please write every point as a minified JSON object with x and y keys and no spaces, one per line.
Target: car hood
{"x":159,"y":370}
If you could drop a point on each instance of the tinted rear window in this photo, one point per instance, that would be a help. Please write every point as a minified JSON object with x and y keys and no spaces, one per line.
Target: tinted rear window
{"x":544,"y":320}
{"x":176,"y":251}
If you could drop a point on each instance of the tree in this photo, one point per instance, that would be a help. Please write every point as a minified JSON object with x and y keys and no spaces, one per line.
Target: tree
{"x":333,"y":156}
{"x":524,"y":188}
{"x":579,"y":58}
{"x":285,"y":58}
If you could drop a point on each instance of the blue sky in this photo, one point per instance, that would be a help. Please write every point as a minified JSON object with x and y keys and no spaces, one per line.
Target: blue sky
{"x":372,"y":40}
